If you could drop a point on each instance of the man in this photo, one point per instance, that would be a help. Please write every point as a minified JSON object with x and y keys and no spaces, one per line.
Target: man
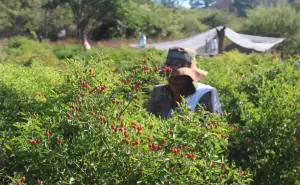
{"x":183,"y":82}
{"x":86,"y":44}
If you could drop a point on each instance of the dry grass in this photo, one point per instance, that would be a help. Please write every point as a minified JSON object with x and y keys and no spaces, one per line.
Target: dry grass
{"x":114,"y":43}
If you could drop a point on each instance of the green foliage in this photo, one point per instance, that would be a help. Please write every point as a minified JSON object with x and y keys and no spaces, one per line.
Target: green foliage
{"x":123,"y":60}
{"x":24,"y":89}
{"x":130,"y":19}
{"x":214,"y":18}
{"x":101,"y":133}
{"x":87,"y":10}
{"x":192,"y":26}
{"x":168,"y":25}
{"x":277,"y":22}
{"x":4,"y":16}
{"x":170,"y":3}
{"x":262,"y":95}
{"x":88,"y":122}
{"x":241,"y":6}
{"x":20,"y":14}
{"x":115,"y":18}
{"x":291,"y":45}
{"x":24,"y":51}
{"x":56,"y":18}
{"x":3,"y":49}
{"x":64,"y":52}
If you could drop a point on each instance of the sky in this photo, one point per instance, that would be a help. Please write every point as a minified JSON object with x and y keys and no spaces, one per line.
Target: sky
{"x":185,"y":3}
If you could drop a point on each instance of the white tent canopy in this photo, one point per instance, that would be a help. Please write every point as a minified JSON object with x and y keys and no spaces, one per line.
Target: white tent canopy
{"x":206,"y":42}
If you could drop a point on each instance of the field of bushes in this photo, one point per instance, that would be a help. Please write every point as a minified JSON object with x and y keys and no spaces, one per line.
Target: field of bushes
{"x":68,"y":116}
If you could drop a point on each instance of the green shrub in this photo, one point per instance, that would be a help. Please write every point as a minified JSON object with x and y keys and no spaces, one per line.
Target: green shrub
{"x":277,"y":22}
{"x":24,"y":90}
{"x":3,"y":49}
{"x":88,"y":123}
{"x":64,"y":52}
{"x":24,"y":51}
{"x":193,"y":26}
{"x":103,"y":135}
{"x":261,"y":93}
{"x":214,"y":18}
{"x":272,"y":115}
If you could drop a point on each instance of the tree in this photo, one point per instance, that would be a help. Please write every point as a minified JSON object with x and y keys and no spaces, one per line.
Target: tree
{"x":20,"y":15}
{"x":240,"y":6}
{"x":201,"y":3}
{"x":276,"y":22}
{"x":296,"y":4}
{"x":84,"y":11}
{"x":143,"y":1}
{"x":273,"y":3}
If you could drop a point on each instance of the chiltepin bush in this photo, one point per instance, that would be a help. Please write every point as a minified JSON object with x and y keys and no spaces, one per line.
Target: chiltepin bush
{"x":93,"y":127}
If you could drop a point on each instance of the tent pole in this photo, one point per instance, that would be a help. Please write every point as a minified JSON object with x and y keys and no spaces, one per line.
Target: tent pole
{"x":221,"y":36}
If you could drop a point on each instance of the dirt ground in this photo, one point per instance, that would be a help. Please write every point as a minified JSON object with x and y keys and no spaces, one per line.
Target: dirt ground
{"x":114,"y":43}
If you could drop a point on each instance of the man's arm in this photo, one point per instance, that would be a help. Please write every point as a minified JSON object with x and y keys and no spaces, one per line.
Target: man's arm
{"x":206,"y":102}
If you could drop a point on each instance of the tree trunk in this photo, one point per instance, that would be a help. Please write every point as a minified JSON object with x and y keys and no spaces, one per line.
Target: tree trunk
{"x":79,"y":29}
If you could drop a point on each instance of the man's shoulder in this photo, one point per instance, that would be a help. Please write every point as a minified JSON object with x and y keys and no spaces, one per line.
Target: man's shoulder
{"x":160,"y":101}
{"x":160,"y":89}
{"x":201,"y":86}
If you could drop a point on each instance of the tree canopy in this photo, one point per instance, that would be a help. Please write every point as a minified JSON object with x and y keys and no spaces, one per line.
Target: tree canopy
{"x":105,"y":19}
